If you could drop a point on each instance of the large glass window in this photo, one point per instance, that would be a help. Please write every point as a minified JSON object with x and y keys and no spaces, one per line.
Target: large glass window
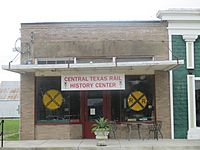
{"x":54,"y":105}
{"x":136,"y":102}
{"x":197,"y":96}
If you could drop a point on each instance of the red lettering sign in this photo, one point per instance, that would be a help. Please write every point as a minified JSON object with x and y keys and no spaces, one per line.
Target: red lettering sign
{"x":93,"y":82}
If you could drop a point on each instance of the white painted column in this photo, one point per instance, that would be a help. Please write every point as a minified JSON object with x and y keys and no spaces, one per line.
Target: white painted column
{"x":191,"y":101}
{"x":193,"y":132}
{"x":171,"y":88}
{"x":189,"y":39}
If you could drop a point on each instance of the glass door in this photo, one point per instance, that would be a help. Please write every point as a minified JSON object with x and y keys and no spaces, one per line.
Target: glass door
{"x":95,"y":106}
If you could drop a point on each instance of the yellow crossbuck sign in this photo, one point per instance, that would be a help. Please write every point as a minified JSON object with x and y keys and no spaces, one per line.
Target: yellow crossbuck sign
{"x":52,"y":99}
{"x":137,"y":101}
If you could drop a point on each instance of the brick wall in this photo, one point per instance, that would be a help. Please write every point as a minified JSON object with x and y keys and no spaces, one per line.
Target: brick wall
{"x":27,"y":129}
{"x":93,"y":39}
{"x":58,"y":132}
{"x":163,"y":101}
{"x":76,"y":131}
{"x":96,"y":39}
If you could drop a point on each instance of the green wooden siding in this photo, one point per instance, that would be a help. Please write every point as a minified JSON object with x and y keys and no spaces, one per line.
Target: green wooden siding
{"x":180,"y":100}
{"x":180,"y":89}
{"x":197,"y":57}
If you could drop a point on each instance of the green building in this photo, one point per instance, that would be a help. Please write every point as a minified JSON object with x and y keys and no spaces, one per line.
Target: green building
{"x":184,"y":43}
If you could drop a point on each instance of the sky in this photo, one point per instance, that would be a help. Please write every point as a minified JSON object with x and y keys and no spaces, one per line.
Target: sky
{"x":14,"y":12}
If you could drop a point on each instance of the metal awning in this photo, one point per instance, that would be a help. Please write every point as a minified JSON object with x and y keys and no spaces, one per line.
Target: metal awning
{"x":141,"y":66}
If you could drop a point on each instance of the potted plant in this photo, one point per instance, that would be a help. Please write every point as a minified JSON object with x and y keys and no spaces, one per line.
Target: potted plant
{"x":101,"y":130}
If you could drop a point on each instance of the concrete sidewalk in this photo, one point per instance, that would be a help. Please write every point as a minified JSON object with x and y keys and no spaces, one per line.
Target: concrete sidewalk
{"x":90,"y":144}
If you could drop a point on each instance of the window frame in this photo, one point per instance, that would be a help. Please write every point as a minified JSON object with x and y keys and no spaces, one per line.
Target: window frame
{"x":195,"y":79}
{"x":37,"y":121}
{"x":124,"y":97}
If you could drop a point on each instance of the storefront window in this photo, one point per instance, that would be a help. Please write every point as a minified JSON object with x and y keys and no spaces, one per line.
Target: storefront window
{"x":136,"y":102}
{"x":54,"y":105}
{"x":197,"y":96}
{"x":116,"y":102}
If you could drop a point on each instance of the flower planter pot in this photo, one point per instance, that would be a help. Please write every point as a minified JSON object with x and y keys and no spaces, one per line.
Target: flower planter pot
{"x":101,"y":136}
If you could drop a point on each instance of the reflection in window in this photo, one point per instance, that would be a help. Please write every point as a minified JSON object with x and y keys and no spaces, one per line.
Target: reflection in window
{"x":197,"y":95}
{"x":95,"y":105}
{"x":136,"y":102}
{"x":54,"y":105}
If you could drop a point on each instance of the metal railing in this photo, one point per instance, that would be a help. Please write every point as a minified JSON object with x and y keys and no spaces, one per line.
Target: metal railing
{"x":1,"y":133}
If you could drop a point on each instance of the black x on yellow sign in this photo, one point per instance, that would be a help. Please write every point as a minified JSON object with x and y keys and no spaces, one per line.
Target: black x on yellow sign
{"x":52,"y":99}
{"x":137,"y":101}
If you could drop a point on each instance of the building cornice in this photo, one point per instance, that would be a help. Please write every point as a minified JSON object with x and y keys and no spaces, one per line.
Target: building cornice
{"x":179,"y":14}
{"x":181,"y":21}
{"x":189,"y":37}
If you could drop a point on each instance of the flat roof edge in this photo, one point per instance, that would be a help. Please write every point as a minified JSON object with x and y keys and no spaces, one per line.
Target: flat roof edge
{"x":93,"y":22}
